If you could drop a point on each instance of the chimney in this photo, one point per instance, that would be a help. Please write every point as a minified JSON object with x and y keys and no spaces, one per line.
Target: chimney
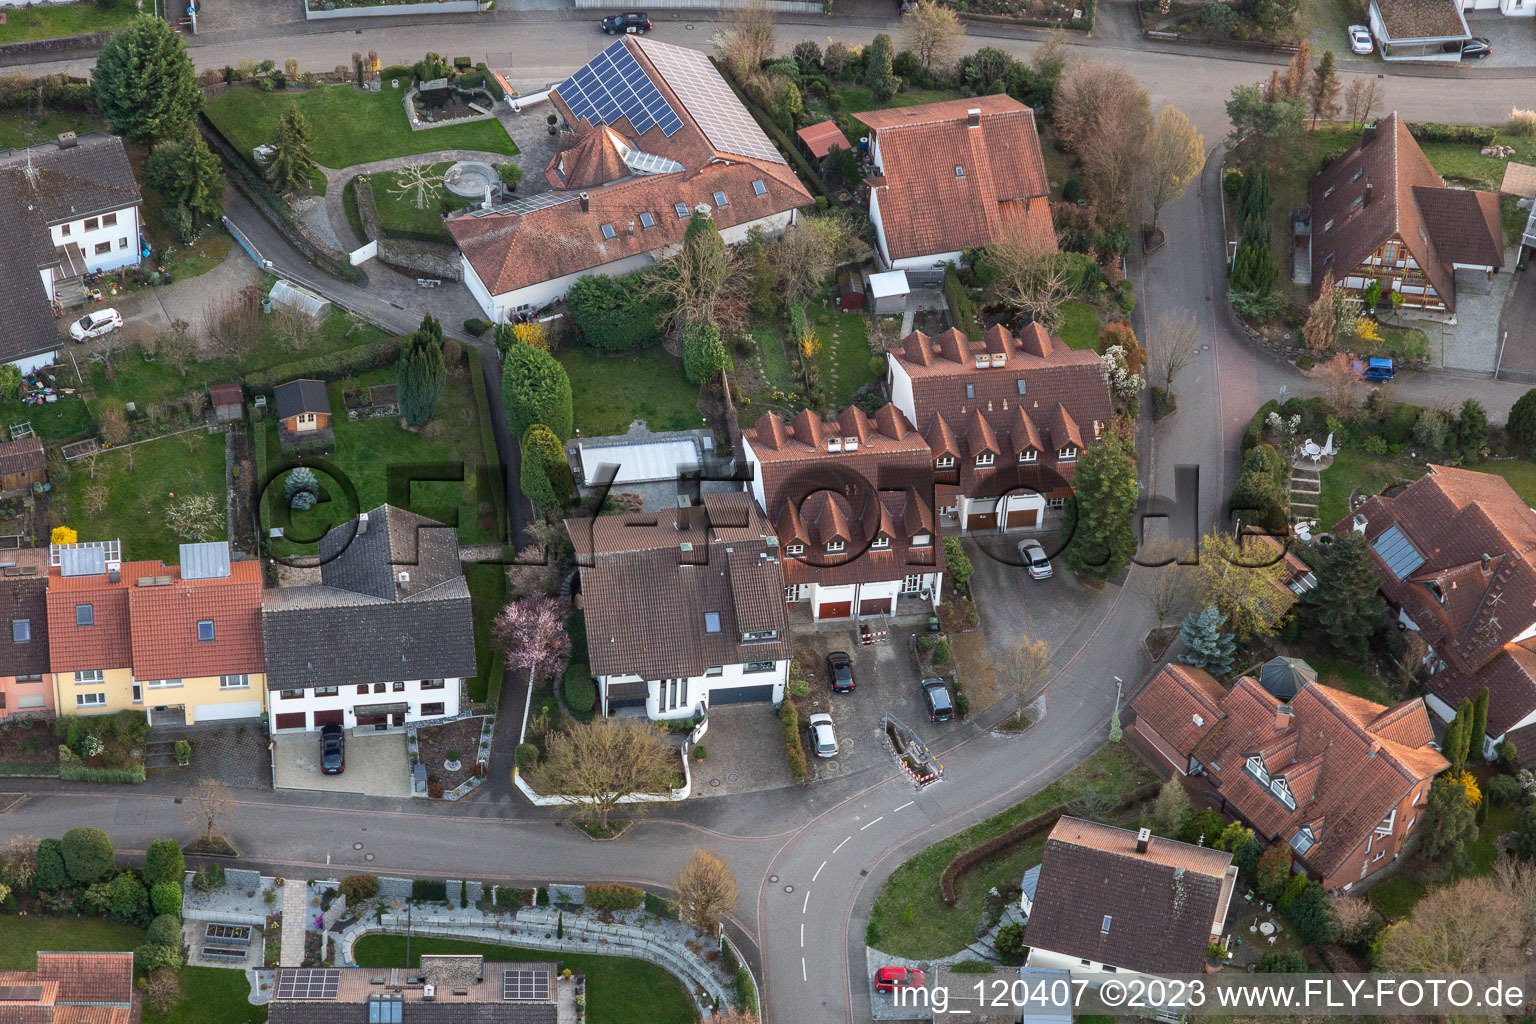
{"x":1369,"y":188}
{"x":362,"y":523}
{"x":67,"y":140}
{"x":973,"y":117}
{"x":1359,"y":523}
{"x":114,"y":575}
{"x":403,"y":581}
{"x":1283,"y":717}
{"x":1142,"y":839}
{"x":586,"y":203}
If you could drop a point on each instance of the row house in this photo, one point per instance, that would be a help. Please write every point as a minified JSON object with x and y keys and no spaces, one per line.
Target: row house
{"x":1005,"y":418}
{"x":684,"y":608}
{"x":26,"y":685}
{"x":851,"y":502}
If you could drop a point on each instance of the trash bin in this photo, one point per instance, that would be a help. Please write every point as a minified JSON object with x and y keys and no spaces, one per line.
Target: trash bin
{"x":266,"y":304}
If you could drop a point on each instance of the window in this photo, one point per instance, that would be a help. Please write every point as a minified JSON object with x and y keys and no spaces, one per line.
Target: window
{"x":682,"y":210}
{"x":64,"y":230}
{"x":1328,"y":259}
{"x":1067,"y":454}
{"x":646,"y":220}
{"x":711,"y":622}
{"x":714,"y":670}
{"x":834,"y":546}
{"x":984,"y":458}
{"x":432,"y":710}
{"x":92,"y":223}
{"x":608,"y":232}
{"x":753,"y":636}
{"x":1282,"y":791}
{"x":379,"y":687}
{"x":363,"y":689}
{"x":1021,"y":386}
{"x":1329,"y":225}
{"x":720,"y":200}
{"x":433,"y":684}
{"x":758,"y":188}
{"x":970,"y":391}
{"x":21,"y":631}
{"x":1380,"y":854}
{"x":327,"y":691}
{"x":1328,"y":192}
{"x":398,"y":687}
{"x":1104,"y":928}
{"x":758,"y":666}
{"x":1358,"y":202}
{"x":1384,"y":827}
{"x":292,"y":695}
{"x":959,"y":171}
{"x":794,"y":549}
{"x":880,"y":543}
{"x":30,"y":679}
{"x":90,"y":700}
{"x":1029,"y":455}
{"x":791,"y":593}
{"x":138,"y":692}
{"x":163,"y":684}
{"x":944,"y":462}
{"x":109,"y":220}
{"x":94,"y":675}
{"x":204,"y":630}
{"x":1359,"y":173}
{"x":103,"y":247}
{"x":85,"y":615}
{"x":239,"y":682}
{"x":1057,"y":502}
{"x":122,"y":242}
{"x":1256,"y":768}
{"x":920,"y":540}
{"x":912,"y":584}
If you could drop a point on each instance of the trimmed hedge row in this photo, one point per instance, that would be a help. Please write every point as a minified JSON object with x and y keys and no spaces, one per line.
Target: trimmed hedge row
{"x":794,"y":753}
{"x":496,"y":479}
{"x":83,"y":773}
{"x":614,"y":897}
{"x":332,"y":366}
{"x":431,"y":890}
{"x":1465,"y":134}
{"x":966,"y":860}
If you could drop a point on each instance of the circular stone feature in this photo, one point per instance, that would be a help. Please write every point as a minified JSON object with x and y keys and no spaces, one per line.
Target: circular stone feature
{"x":468,"y":179}
{"x":357,"y":846}
{"x":1266,"y":928}
{"x":451,"y":766}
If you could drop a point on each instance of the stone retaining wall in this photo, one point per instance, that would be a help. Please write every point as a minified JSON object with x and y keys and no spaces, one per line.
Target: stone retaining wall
{"x":63,"y":44}
{"x":419,"y":259}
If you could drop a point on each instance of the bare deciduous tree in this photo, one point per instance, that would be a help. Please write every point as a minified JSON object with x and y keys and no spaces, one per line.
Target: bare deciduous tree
{"x":1175,"y":154}
{"x":1165,"y":588}
{"x":1352,"y":914}
{"x":593,"y":766}
{"x":419,"y":182}
{"x":746,"y":42}
{"x":210,"y":810}
{"x":699,"y":279}
{"x":931,"y":31}
{"x":1103,"y":115}
{"x":1173,"y":345}
{"x":1049,"y":56}
{"x":18,"y":861}
{"x":105,"y":350}
{"x":177,"y":348}
{"x":807,"y":254}
{"x":1342,"y":388}
{"x":1029,"y":280}
{"x":706,"y":890}
{"x":1361,"y":98}
{"x":1464,"y":927}
{"x":1322,"y":324}
{"x":114,"y":425}
{"x":94,"y":501}
{"x":1025,"y":671}
{"x":538,"y":568}
{"x":162,"y":989}
{"x":197,"y":517}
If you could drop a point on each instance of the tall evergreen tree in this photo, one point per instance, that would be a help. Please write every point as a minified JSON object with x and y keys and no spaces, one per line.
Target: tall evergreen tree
{"x":1521,"y":426}
{"x":145,"y":83}
{"x":1471,"y":430}
{"x":1323,"y":94}
{"x":1344,"y":605}
{"x":536,"y":389}
{"x":1450,"y":824}
{"x":1207,"y":646}
{"x":879,"y":62}
{"x":546,"y":476}
{"x":1450,"y":742}
{"x":1478,"y":729}
{"x":1101,"y":537}
{"x":292,"y":167}
{"x":188,"y":177}
{"x":420,"y":373}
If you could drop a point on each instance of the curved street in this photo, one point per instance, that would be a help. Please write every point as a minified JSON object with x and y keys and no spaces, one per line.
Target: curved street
{"x":809,"y":861}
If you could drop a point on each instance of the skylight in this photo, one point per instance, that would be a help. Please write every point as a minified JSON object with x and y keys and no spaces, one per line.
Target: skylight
{"x":1104,"y":928}
{"x":720,"y":199}
{"x":682,"y":210}
{"x":608,"y":232}
{"x":758,"y":188}
{"x":711,"y":622}
{"x":85,"y":615}
{"x":21,"y":630}
{"x":959,"y":171}
{"x":1395,"y":549}
{"x":647,"y":221}
{"x":205,"y":630}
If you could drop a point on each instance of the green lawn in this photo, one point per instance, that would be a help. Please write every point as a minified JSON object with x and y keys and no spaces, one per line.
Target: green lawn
{"x":1349,"y":677}
{"x":1353,"y":468}
{"x":1080,"y":325}
{"x":909,"y":918}
{"x":211,"y":995}
{"x":398,"y":214}
{"x":487,"y":596}
{"x":613,"y":390}
{"x":770,"y":344}
{"x":24,"y":128}
{"x":77,"y":19}
{"x":1396,"y":896}
{"x":136,"y":498}
{"x":22,"y":937}
{"x":620,"y":990}
{"x":1499,"y":821}
{"x":350,"y":126}
{"x":844,"y":351}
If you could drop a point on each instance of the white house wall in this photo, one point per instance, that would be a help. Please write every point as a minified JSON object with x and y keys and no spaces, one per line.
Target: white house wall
{"x":927,"y":264}
{"x":901,"y":388}
{"x":1095,"y":974}
{"x":347,"y":699}
{"x":876,"y":218}
{"x":696,"y":689}
{"x":121,"y":238}
{"x":757,"y":473}
{"x":1518,"y":8}
{"x":37,"y":362}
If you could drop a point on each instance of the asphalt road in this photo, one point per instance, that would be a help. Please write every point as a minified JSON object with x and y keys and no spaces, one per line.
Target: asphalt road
{"x":810,"y":861}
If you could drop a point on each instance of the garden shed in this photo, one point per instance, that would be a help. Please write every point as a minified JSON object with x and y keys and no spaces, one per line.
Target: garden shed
{"x":888,"y":291}
{"x":227,"y":402}
{"x":850,"y":291}
{"x":22,"y":464}
{"x":299,"y":300}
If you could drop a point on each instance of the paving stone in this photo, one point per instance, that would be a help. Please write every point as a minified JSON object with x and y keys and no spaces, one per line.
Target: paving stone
{"x":572,"y":895}
{"x":242,"y":880}
{"x":475,"y":894}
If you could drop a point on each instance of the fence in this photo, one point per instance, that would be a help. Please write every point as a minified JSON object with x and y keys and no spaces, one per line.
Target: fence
{"x":223,"y":917}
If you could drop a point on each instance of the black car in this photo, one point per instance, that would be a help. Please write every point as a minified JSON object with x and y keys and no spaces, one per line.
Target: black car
{"x":1476,"y":48}
{"x":936,"y":698}
{"x":840,"y":669}
{"x":333,"y":756}
{"x":631,"y":22}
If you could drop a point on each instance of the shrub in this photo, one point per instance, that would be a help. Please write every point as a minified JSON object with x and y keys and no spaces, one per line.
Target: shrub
{"x":50,"y":873}
{"x":580,"y":693}
{"x":535,"y":389}
{"x":429,"y":890}
{"x":614,"y":897}
{"x":1010,"y":940}
{"x":1504,"y":790}
{"x":1522,"y":122}
{"x":163,"y":862}
{"x":507,"y":896}
{"x":526,"y":757}
{"x":794,"y":753}
{"x":164,"y":930}
{"x":165,"y":898}
{"x":1431,"y":131}
{"x":924,"y":644}
{"x":476,"y":327}
{"x":127,"y":899}
{"x":88,"y":855}
{"x":940,"y":653}
{"x":209,"y":878}
{"x":1292,"y":891}
{"x":357,"y":888}
{"x":700,"y":752}
{"x":704,"y":354}
{"x":545,"y":474}
{"x":150,"y":956}
{"x":615,"y":314}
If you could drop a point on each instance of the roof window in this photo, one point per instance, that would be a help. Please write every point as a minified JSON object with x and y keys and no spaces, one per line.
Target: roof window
{"x":21,"y":631}
{"x":1021,"y":386}
{"x":970,"y":391}
{"x":646,"y":220}
{"x":1104,"y":928}
{"x":720,"y":199}
{"x":608,"y":232}
{"x":758,"y":188}
{"x":711,"y":622}
{"x":682,"y":210}
{"x":85,"y":615}
{"x":205,"y":630}
{"x":1359,"y":173}
{"x":959,"y":171}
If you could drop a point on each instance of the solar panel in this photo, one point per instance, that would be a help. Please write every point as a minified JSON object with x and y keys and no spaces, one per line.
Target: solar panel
{"x":1398,"y":552}
{"x":710,"y":101}
{"x":308,"y":983}
{"x":530,"y":204}
{"x":525,"y":986}
{"x":612,"y":86}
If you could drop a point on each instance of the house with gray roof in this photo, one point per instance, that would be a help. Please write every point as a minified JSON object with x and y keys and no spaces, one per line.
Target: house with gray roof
{"x":69,"y":207}
{"x":386,"y":638}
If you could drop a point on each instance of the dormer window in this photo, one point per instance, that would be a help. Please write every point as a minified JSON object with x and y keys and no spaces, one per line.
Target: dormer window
{"x":1067,"y":454}
{"x":834,"y":444}
{"x":1359,"y":173}
{"x":834,"y":546}
{"x":984,"y":458}
{"x":880,"y":543}
{"x":758,"y":188}
{"x":1384,"y":827}
{"x":970,"y":391}
{"x":1282,"y":791}
{"x":1256,"y":766}
{"x":921,"y":540}
{"x":1098,"y":429}
{"x":1328,"y":192}
{"x":794,"y":549}
{"x":1328,"y":259}
{"x":944,"y":462}
{"x":1198,"y":720}
{"x":1028,"y":455}
{"x":1303,"y":840}
{"x":608,"y":232}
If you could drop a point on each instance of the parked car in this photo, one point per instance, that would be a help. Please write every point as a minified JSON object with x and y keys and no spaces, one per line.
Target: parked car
{"x":823,"y":739}
{"x":889,"y":979}
{"x":1476,"y":48}
{"x":1033,"y":554}
{"x":937,"y":700}
{"x":840,"y":668}
{"x":333,"y":753}
{"x":631,"y":22}
{"x":96,"y":323}
{"x":1360,"y":39}
{"x":1377,"y":368}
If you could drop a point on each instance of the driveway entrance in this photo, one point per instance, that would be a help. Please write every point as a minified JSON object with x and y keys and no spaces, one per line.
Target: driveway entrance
{"x":377,"y":764}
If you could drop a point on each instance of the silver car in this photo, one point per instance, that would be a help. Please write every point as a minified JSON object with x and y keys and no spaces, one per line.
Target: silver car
{"x":823,"y":739}
{"x":1033,"y":554}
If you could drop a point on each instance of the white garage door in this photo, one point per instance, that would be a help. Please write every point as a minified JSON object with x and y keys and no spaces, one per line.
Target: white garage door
{"x":219,"y":712}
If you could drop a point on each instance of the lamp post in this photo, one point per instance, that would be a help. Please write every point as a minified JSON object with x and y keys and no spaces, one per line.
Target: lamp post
{"x":1119,"y":686}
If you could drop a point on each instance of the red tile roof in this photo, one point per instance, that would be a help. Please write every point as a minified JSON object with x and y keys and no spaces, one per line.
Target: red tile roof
{"x":24,"y":456}
{"x":819,"y":139}
{"x":1182,"y":704}
{"x":926,"y":207}
{"x":591,"y":160}
{"x":89,"y":977}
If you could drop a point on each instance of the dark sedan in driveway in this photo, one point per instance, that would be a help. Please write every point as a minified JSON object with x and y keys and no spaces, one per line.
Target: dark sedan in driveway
{"x":840,"y":670}
{"x":333,"y":753}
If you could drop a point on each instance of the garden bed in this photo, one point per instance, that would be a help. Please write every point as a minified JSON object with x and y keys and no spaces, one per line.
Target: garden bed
{"x":27,"y":746}
{"x":433,"y":742}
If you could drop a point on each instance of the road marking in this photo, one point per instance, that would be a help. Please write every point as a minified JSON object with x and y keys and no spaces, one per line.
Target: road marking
{"x":802,"y":934}
{"x":840,"y":845}
{"x":803,"y":907}
{"x":904,"y":806}
{"x":875,"y":822}
{"x":818,"y":872}
{"x":802,"y":969}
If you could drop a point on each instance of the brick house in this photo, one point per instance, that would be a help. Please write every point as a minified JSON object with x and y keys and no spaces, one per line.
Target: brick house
{"x":851,"y":501}
{"x":1340,"y":779}
{"x":1005,"y":418}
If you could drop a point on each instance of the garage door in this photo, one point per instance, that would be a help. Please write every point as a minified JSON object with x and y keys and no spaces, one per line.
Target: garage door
{"x":336,"y":717}
{"x":292,"y":720}
{"x":220,"y":712}
{"x":877,"y":606}
{"x":1023,"y":517}
{"x":981,"y":521}
{"x":835,"y":610}
{"x":740,"y":695}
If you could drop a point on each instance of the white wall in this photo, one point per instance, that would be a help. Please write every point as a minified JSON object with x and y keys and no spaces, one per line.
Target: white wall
{"x":922,"y":264}
{"x":877,"y":219}
{"x":37,"y":362}
{"x":348,"y":698}
{"x":118,"y":255}
{"x":757,"y":473}
{"x":696,"y":689}
{"x":1518,"y":8}
{"x":901,"y":389}
{"x":1094,"y":973}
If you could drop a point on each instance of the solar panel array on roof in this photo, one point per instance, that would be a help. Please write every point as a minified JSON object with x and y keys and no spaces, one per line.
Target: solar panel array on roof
{"x":1397,"y":551}
{"x":308,"y":983}
{"x":529,"y":204}
{"x":612,"y":86}
{"x":525,"y":985}
{"x":709,"y":100}
{"x":20,"y":993}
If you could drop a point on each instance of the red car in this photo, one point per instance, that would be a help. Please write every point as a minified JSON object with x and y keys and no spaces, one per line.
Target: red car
{"x":889,"y":979}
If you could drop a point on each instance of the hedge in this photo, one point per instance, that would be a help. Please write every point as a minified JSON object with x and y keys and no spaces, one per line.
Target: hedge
{"x":786,"y":147}
{"x":81,"y":773}
{"x":507,"y":896}
{"x":1254,"y":432}
{"x":1463,"y":134}
{"x":614,"y":314}
{"x":962,"y":307}
{"x":580,"y":694}
{"x":351,"y":362}
{"x":430,"y":890}
{"x":966,"y":860}
{"x":495,"y":477}
{"x":614,"y":897}
{"x":794,"y":753}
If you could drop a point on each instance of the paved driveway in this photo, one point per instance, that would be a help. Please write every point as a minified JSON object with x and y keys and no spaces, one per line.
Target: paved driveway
{"x":744,"y":752}
{"x":1519,"y":361}
{"x":376,"y":764}
{"x":1012,"y":604}
{"x":1513,"y":39}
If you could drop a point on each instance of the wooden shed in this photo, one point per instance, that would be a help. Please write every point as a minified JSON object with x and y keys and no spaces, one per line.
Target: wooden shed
{"x":228,"y":401}
{"x":820,"y":139}
{"x":850,"y":291}
{"x":22,"y":464}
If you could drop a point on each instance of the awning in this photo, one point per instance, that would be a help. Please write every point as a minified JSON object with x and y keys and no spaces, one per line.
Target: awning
{"x":381,"y":709}
{"x":71,"y":261}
